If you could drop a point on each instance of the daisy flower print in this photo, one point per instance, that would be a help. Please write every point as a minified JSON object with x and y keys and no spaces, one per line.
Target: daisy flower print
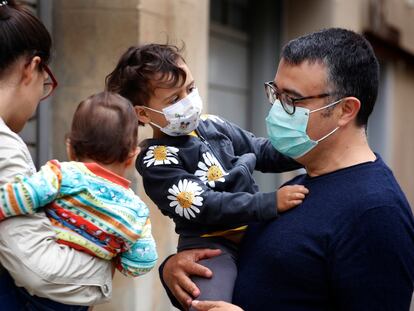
{"x":157,"y":155}
{"x":210,"y":170}
{"x":185,"y":197}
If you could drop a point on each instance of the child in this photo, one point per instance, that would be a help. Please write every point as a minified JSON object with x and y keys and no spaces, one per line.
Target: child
{"x":88,"y":200}
{"x":198,"y":171}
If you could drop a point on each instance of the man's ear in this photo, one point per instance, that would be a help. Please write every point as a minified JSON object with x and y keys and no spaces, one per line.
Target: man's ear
{"x":132,"y":157}
{"x":30,"y":70}
{"x":350,"y":107}
{"x":142,"y":114}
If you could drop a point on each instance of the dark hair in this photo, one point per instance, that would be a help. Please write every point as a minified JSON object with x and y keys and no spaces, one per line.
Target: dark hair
{"x":353,"y":69}
{"x":104,"y":128}
{"x":140,"y":66}
{"x":21,"y":34}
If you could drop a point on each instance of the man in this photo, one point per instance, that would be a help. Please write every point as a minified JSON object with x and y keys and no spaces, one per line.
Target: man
{"x":350,"y":244}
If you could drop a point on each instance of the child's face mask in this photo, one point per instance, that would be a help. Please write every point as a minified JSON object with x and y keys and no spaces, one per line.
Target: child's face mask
{"x":183,"y":116}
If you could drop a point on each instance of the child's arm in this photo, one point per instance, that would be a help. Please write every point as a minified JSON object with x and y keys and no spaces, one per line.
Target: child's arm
{"x":180,"y":194}
{"x":142,"y":255}
{"x":28,"y":194}
{"x":269,"y":160}
{"x":290,"y":196}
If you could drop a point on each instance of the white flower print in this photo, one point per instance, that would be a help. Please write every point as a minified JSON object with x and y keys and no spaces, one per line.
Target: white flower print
{"x":157,"y":155}
{"x":210,"y":170}
{"x":186,"y":199}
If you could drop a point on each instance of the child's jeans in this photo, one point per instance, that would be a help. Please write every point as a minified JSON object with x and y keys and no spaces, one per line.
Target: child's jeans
{"x":224,"y":267}
{"x":16,"y":298}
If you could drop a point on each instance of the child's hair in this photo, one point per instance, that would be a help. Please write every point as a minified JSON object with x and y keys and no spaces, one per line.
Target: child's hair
{"x":140,"y":66}
{"x":21,"y":34}
{"x":104,"y":128}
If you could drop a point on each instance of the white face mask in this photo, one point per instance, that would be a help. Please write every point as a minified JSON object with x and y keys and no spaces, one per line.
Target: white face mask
{"x":183,"y":116}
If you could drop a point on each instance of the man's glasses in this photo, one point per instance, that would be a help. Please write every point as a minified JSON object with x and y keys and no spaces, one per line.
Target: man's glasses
{"x":50,"y":84}
{"x":288,"y":103}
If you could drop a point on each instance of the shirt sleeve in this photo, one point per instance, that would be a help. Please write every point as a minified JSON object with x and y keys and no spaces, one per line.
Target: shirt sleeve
{"x":141,"y":257}
{"x":14,"y":159}
{"x":27,"y":194}
{"x":181,"y":194}
{"x":373,"y":266}
{"x":269,"y":160}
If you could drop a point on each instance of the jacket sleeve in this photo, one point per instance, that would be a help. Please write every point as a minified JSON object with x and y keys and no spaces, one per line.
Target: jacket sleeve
{"x":181,"y":194}
{"x":28,"y":194}
{"x":269,"y":160}
{"x":142,"y":255}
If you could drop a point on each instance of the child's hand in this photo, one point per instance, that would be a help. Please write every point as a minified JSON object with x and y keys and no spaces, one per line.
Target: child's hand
{"x":290,"y":196}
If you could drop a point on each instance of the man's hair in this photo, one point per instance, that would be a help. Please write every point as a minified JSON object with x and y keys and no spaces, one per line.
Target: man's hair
{"x":104,"y":128}
{"x":353,"y":69}
{"x":140,"y":68}
{"x":21,"y":34}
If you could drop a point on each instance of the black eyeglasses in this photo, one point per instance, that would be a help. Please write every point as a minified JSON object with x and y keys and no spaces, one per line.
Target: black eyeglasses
{"x":288,"y":103}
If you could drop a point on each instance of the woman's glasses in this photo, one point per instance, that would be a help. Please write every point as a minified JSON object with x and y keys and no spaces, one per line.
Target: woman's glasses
{"x":50,"y":84}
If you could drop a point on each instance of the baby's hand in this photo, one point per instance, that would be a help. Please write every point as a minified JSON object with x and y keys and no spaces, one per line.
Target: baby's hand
{"x":290,"y":196}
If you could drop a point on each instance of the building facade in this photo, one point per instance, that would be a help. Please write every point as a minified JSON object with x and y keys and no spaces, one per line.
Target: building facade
{"x":232,"y":47}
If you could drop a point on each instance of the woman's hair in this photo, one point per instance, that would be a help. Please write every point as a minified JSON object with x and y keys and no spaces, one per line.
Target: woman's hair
{"x":104,"y":128}
{"x":21,"y":34}
{"x":141,"y":69}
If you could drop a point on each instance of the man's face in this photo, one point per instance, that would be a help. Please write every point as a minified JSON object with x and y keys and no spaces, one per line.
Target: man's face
{"x":303,"y":80}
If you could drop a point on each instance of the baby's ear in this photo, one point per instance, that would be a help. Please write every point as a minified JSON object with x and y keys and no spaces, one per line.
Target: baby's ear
{"x":69,"y":150}
{"x":132,"y":156}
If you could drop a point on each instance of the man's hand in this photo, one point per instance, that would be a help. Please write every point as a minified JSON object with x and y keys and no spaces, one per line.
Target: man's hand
{"x":214,"y":306}
{"x":178,"y":269}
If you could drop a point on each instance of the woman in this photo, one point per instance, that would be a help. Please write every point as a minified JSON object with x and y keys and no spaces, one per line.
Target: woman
{"x":58,"y":273}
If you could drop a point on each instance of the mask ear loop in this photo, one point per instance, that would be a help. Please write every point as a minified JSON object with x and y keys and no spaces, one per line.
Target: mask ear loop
{"x":330,"y":133}
{"x":152,"y":123}
{"x":153,"y":110}
{"x":335,"y":129}
{"x":327,"y":106}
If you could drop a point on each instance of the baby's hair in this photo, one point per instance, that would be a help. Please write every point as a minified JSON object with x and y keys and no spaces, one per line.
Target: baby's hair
{"x":104,"y":129}
{"x":140,"y":66}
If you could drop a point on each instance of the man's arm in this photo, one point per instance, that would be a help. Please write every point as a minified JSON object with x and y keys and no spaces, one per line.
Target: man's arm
{"x":175,"y":273}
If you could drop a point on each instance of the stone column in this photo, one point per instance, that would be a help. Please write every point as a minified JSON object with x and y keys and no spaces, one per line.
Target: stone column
{"x":89,"y":37}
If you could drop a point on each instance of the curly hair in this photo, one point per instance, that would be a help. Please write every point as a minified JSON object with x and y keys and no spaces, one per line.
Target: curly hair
{"x":141,"y":69}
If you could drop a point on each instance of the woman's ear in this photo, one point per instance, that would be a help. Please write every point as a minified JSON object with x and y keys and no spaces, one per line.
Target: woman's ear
{"x":142,"y":114}
{"x":30,"y":70}
{"x":69,"y":151}
{"x":350,"y":107}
